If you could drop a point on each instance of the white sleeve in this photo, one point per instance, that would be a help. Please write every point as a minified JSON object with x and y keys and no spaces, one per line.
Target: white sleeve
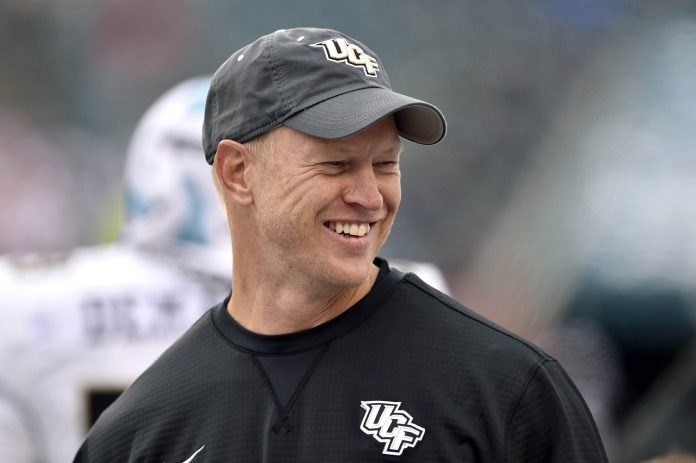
{"x":21,"y":439}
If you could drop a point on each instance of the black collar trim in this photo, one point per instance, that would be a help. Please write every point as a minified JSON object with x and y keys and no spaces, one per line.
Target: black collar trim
{"x":387,"y":281}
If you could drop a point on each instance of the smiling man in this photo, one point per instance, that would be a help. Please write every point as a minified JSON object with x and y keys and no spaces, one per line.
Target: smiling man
{"x":322,"y":352}
{"x":309,"y":217}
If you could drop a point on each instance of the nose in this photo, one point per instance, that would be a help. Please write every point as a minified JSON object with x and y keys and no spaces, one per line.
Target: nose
{"x":364,"y":189}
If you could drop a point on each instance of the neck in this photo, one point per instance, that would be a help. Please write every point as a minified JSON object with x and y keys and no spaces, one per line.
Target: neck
{"x":273,"y":304}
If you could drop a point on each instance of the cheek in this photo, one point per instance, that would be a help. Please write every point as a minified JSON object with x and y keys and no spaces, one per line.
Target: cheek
{"x":391,"y":192}
{"x":296,"y":196}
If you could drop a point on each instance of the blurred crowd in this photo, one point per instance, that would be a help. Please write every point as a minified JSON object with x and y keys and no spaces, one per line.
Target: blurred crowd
{"x":559,"y":204}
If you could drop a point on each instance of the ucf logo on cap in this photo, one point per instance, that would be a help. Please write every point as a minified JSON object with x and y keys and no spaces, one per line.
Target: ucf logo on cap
{"x":341,"y":51}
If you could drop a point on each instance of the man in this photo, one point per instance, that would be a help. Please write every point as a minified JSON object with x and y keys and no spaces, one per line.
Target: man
{"x":323,"y":352}
{"x":78,"y":327}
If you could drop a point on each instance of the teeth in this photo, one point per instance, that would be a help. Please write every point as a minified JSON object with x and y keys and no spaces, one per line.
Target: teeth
{"x":352,"y":229}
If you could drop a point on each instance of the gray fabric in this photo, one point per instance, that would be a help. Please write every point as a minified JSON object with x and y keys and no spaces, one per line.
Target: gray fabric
{"x":290,"y":77}
{"x":351,"y":112}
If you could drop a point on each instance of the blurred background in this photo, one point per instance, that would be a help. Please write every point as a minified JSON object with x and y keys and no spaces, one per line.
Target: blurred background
{"x":558,"y":205}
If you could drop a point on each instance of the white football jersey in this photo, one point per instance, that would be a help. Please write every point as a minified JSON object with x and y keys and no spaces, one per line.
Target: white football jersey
{"x":77,"y":329}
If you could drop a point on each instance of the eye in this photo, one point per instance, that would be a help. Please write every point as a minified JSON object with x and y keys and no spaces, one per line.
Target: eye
{"x":387,"y":165}
{"x":335,"y":166}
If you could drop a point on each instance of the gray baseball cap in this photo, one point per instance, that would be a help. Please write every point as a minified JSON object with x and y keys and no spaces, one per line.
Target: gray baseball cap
{"x":318,"y":81}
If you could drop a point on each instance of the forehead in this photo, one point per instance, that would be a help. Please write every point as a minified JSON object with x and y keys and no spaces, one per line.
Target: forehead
{"x":379,"y":138}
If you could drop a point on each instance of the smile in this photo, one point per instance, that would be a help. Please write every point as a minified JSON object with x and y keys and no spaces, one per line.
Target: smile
{"x":349,"y":228}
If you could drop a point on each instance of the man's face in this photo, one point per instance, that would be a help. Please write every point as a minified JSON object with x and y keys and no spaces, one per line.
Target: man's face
{"x":323,"y":207}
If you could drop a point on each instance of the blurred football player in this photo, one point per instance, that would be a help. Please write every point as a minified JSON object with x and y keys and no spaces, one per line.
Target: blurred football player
{"x":79,"y":326}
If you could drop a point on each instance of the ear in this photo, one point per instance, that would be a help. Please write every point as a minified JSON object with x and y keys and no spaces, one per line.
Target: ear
{"x":232,"y":161}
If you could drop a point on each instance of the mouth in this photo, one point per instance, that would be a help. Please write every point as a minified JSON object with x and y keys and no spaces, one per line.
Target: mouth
{"x":351,"y":229}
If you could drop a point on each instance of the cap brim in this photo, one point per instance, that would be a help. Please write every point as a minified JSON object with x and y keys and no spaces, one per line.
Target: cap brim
{"x":349,"y":113}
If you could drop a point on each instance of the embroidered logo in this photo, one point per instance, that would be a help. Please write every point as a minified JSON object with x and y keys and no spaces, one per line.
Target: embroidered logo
{"x":390,"y":425}
{"x":341,"y":51}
